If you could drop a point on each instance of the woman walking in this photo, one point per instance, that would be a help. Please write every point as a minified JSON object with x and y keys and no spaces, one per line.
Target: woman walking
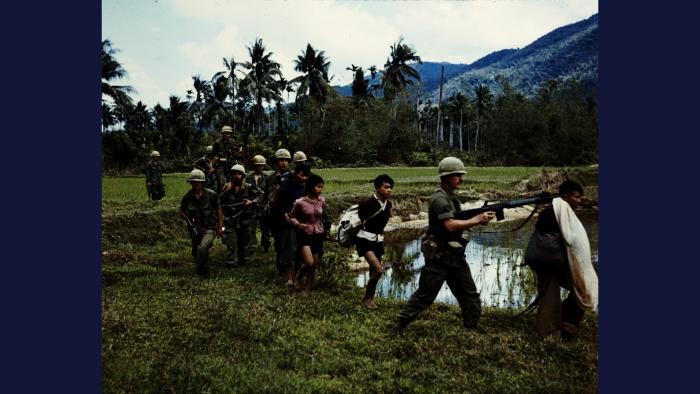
{"x":306,"y":217}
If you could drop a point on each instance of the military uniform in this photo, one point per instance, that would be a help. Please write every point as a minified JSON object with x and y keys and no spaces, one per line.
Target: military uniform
{"x":444,"y":261}
{"x":282,"y":231}
{"x":237,"y":221}
{"x":228,"y":153}
{"x":213,"y":183}
{"x":203,"y":214}
{"x":154,"y":180}
{"x":261,"y":214}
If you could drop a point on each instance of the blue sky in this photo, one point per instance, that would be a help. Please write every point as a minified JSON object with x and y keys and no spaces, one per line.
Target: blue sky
{"x":163,"y":43}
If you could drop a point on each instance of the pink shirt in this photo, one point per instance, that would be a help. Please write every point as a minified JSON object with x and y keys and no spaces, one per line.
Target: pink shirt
{"x":308,"y":212}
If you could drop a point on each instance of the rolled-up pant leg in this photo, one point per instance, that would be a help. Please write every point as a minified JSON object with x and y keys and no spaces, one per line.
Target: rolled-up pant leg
{"x":431,"y":279}
{"x":203,"y":247}
{"x":462,"y":286}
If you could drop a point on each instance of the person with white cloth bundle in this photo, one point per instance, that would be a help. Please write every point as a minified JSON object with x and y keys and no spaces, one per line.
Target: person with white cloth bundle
{"x":560,"y":256}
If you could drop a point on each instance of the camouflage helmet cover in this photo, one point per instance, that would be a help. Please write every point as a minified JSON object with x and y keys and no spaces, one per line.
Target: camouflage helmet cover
{"x":299,"y":156}
{"x":227,"y":129}
{"x":155,"y":153}
{"x":196,"y":176}
{"x":450,"y":165}
{"x":258,"y":160}
{"x":282,"y":154}
{"x":239,"y":168}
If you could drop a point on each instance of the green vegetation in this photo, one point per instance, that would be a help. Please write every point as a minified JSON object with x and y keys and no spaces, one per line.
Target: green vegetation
{"x":380,"y":124}
{"x":165,"y":330}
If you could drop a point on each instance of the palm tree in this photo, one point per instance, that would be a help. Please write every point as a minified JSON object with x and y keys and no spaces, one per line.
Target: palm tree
{"x":107,"y":116}
{"x":359,"y":83}
{"x":227,"y":80}
{"x":111,"y":70}
{"x":397,"y":72}
{"x":314,"y":82}
{"x":260,"y":80}
{"x":483,"y":101}
{"x":203,"y":89}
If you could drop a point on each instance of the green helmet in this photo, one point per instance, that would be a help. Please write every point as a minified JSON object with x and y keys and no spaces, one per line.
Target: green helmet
{"x":450,"y":165}
{"x":210,"y":149}
{"x":226,"y":129}
{"x":258,"y":159}
{"x":283,"y":154}
{"x":299,"y":157}
{"x":196,"y":176}
{"x":239,"y":168}
{"x":155,"y":153}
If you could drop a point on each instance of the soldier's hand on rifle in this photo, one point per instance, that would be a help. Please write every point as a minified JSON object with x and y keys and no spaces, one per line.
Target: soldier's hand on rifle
{"x":486,"y":217}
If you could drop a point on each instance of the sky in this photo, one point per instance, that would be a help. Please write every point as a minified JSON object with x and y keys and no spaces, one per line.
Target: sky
{"x":163,"y":43}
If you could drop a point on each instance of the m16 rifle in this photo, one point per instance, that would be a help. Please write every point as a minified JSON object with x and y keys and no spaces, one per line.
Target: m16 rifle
{"x":499,"y":207}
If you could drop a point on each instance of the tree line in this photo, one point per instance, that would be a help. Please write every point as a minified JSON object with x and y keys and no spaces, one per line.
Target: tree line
{"x":380,"y":124}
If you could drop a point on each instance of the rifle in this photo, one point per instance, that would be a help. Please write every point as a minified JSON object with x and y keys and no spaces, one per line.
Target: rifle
{"x":543,"y":198}
{"x":191,"y":228}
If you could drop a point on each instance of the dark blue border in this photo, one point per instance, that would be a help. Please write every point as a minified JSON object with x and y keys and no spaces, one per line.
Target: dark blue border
{"x":649,"y":146}
{"x":51,"y":95}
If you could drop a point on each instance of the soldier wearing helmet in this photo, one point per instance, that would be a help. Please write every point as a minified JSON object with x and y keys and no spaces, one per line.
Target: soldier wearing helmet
{"x":205,"y":164}
{"x":262,"y":213}
{"x":443,"y":248}
{"x":237,"y":202}
{"x":154,"y":177}
{"x":226,"y":153}
{"x":277,"y":222}
{"x":201,"y":206}
{"x":299,"y":157}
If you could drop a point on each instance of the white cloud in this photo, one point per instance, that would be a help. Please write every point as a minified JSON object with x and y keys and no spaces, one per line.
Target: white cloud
{"x":349,"y":32}
{"x":148,"y":90}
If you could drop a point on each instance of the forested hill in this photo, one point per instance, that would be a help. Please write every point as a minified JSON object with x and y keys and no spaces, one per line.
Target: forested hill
{"x":569,"y":51}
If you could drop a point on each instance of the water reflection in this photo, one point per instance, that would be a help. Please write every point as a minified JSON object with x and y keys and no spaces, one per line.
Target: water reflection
{"x":494,"y":260}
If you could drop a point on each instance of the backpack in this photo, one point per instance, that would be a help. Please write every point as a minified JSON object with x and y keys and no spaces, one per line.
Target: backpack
{"x":350,"y":224}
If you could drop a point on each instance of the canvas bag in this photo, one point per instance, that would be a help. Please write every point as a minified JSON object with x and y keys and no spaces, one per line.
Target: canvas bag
{"x":350,"y":224}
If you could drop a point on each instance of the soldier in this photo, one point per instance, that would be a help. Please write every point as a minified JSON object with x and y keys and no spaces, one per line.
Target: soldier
{"x":285,"y":238}
{"x":226,"y":153}
{"x":201,"y":207}
{"x":204,"y":163}
{"x":282,"y":158}
{"x":262,"y":211}
{"x":299,"y":157}
{"x":154,"y":177}
{"x":237,"y":202}
{"x":443,"y":250}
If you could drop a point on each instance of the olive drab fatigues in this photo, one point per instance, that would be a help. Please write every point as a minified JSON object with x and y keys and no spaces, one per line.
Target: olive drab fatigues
{"x":154,"y":180}
{"x":237,"y":221}
{"x":444,"y":262}
{"x":228,"y":153}
{"x":205,"y":164}
{"x":261,"y":214}
{"x":202,"y":212}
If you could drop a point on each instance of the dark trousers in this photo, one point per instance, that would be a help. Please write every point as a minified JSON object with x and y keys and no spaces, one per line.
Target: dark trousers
{"x":553,"y":315}
{"x":236,"y":238}
{"x":262,"y":223}
{"x":460,"y":282}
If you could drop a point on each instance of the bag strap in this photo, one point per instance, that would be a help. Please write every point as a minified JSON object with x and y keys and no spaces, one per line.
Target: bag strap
{"x":381,"y":208}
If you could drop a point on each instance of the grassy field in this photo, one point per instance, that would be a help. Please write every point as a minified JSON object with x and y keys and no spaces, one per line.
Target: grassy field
{"x":165,"y":330}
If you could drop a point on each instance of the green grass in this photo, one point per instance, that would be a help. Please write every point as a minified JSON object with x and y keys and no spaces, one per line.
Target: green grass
{"x":165,"y":330}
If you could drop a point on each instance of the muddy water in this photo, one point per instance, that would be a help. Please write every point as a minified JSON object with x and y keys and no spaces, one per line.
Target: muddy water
{"x":493,"y":259}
